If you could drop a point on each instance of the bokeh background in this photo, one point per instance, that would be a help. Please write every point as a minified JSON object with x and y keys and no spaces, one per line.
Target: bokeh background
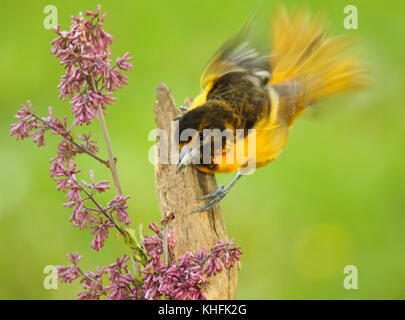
{"x":335,"y":196}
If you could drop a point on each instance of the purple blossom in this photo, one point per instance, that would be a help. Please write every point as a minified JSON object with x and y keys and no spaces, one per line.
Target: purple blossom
{"x":122,"y":62}
{"x":74,"y":257}
{"x":119,"y":205}
{"x":82,"y":109}
{"x":113,"y":79}
{"x":67,"y":274}
{"x":122,"y":281}
{"x":89,"y":79}
{"x":93,"y":284}
{"x":85,"y":53}
{"x":100,"y":186}
{"x":92,"y":294}
{"x":89,"y":143}
{"x":101,"y":230}
{"x":26,"y":122}
{"x":182,"y":279}
{"x":65,"y":176}
{"x":154,"y":247}
{"x":59,"y":127}
{"x":81,"y":216}
{"x":66,"y":152}
{"x":38,"y":135}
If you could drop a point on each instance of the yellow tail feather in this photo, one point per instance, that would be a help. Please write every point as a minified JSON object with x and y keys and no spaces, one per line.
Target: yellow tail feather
{"x":304,"y":58}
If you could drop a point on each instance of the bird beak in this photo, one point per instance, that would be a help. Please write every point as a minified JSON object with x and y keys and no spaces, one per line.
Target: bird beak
{"x":184,"y":159}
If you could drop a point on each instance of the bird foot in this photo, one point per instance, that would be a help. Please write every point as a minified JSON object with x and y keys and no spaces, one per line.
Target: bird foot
{"x":215,"y":197}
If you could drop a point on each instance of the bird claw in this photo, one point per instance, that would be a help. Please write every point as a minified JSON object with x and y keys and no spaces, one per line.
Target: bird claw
{"x":215,"y":197}
{"x":212,"y":194}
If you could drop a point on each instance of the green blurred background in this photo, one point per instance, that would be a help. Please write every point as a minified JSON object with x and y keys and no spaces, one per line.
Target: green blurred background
{"x":335,"y":196}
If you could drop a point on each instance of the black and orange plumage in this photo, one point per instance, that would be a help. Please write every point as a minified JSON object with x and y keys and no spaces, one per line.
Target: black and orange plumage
{"x":246,"y":90}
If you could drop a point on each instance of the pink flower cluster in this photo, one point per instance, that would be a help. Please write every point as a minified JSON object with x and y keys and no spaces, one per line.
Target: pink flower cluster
{"x":85,"y":53}
{"x":89,"y":80}
{"x":183,"y":279}
{"x":64,"y":171}
{"x":30,"y":125}
{"x":121,"y":282}
{"x":99,"y":218}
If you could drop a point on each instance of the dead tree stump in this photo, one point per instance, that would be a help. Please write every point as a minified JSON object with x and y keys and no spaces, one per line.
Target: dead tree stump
{"x":177,"y":194}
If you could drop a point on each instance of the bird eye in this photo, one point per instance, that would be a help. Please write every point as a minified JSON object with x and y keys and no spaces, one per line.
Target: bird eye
{"x":263,"y":75}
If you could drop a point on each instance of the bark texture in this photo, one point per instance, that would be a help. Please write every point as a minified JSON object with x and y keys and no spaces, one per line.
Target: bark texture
{"x":177,"y":195}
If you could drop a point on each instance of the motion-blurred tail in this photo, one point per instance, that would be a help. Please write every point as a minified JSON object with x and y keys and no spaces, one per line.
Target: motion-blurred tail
{"x":306,"y":65}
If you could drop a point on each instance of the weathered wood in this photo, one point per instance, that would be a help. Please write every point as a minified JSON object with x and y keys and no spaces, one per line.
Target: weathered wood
{"x":177,"y":194}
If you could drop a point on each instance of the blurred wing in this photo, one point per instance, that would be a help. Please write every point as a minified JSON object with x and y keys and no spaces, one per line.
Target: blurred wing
{"x":236,"y":54}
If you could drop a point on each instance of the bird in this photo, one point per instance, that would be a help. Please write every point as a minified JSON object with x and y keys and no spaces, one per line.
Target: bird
{"x":255,"y":96}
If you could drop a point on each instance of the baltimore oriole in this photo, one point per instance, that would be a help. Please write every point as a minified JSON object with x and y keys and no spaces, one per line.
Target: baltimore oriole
{"x":244,"y":89}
